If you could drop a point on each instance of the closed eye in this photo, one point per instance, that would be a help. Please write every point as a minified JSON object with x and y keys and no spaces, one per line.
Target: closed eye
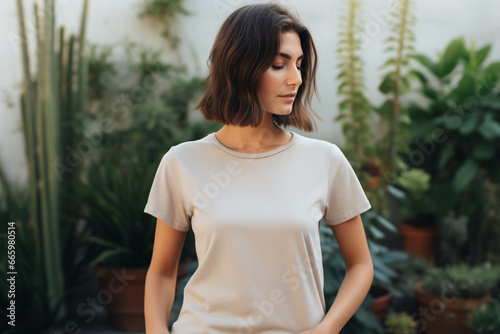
{"x":280,"y":67}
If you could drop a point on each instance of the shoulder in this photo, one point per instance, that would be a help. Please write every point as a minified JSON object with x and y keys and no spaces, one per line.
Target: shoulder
{"x":318,"y":145}
{"x":187,"y":149}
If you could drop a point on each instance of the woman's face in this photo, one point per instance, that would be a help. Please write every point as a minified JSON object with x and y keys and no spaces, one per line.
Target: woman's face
{"x":283,"y":77}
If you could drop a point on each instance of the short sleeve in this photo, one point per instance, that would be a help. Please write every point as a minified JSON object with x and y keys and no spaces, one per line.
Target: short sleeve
{"x":165,"y":199}
{"x":345,"y":196}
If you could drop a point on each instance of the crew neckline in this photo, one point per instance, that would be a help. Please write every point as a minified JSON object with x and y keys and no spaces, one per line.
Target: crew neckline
{"x":216,"y":141}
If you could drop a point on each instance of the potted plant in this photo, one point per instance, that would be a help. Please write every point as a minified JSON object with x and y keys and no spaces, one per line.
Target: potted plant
{"x":447,"y":295}
{"x":400,"y":323}
{"x":418,"y":227}
{"x":455,"y":130}
{"x":485,"y":319}
{"x":122,"y":237}
{"x":383,"y":290}
{"x":382,"y":300}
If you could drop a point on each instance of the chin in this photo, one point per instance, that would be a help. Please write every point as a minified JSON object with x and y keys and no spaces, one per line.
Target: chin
{"x":284,"y":112}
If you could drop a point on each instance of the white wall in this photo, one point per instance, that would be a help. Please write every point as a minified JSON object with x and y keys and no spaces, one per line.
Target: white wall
{"x":112,"y":22}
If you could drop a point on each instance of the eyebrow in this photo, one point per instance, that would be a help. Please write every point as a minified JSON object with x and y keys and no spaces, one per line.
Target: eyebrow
{"x":287,"y":56}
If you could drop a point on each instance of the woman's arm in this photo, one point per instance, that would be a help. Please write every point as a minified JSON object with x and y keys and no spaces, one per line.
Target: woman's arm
{"x":353,"y":245}
{"x":161,"y":277}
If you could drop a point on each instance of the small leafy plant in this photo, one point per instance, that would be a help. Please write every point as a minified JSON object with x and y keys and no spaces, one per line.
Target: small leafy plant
{"x":400,"y":323}
{"x":464,"y":281}
{"x":417,"y":205}
{"x":485,"y":319}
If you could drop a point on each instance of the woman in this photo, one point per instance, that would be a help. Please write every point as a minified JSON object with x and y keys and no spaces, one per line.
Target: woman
{"x":254,"y":194}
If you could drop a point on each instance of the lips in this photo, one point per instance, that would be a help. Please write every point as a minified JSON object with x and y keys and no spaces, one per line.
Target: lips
{"x":289,"y":95}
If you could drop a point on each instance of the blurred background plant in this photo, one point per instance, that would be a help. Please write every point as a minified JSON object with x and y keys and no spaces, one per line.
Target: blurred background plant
{"x":395,"y":84}
{"x":51,"y":259}
{"x":375,"y":158}
{"x":485,"y":319}
{"x":466,"y":281}
{"x":355,"y":109}
{"x":129,"y":113}
{"x":101,"y":69}
{"x":417,"y":207}
{"x":400,"y":323}
{"x":454,"y":138}
{"x":165,"y":12}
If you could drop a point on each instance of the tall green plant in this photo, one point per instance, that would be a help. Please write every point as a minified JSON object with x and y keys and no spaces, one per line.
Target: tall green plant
{"x":395,"y":84}
{"x":354,"y":109}
{"x":373,"y":159}
{"x":44,"y":109}
{"x":33,"y":314}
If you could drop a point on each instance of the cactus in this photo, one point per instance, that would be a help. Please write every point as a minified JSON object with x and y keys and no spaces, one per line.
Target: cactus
{"x":46,"y":104}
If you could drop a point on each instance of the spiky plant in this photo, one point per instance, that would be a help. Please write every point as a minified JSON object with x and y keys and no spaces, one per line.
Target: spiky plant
{"x":354,"y":109}
{"x":395,"y":84}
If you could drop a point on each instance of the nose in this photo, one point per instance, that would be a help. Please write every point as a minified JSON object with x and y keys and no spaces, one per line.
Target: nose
{"x":295,"y":76}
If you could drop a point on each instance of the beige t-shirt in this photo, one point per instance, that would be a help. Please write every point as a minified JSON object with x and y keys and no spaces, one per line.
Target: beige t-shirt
{"x":255,"y":218}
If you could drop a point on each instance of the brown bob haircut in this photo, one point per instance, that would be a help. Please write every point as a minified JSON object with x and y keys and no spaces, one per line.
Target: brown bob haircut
{"x":245,"y":47}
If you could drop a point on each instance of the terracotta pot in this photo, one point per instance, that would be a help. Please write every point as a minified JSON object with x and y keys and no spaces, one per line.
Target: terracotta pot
{"x":419,"y":242}
{"x":382,"y":298}
{"x":374,"y":182}
{"x":375,"y":171}
{"x":445,"y":314}
{"x":122,"y":292}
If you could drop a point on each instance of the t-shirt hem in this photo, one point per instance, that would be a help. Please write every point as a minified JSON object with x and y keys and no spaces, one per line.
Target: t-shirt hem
{"x":349,"y":214}
{"x":163,"y":217}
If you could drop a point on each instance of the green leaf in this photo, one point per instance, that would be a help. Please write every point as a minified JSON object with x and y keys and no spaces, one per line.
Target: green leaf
{"x":388,"y":63}
{"x":421,"y":128}
{"x":491,"y":75}
{"x":419,"y":75}
{"x":466,"y":88}
{"x":399,"y":194}
{"x":387,"y":84}
{"x":465,"y":174}
{"x":425,"y":61}
{"x":481,"y":54}
{"x":484,"y":150}
{"x":377,"y":234}
{"x":341,"y":86}
{"x":490,"y":104}
{"x":385,"y":111}
{"x":430,"y":92}
{"x":469,"y":124}
{"x":342,"y":74}
{"x":385,"y":223}
{"x":346,"y":127}
{"x":489,"y":129}
{"x":339,"y":118}
{"x":404,"y":85}
{"x":453,"y":53}
{"x":446,"y":153}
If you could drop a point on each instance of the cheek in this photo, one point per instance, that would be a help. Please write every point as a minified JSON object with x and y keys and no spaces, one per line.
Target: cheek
{"x":269,"y":83}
